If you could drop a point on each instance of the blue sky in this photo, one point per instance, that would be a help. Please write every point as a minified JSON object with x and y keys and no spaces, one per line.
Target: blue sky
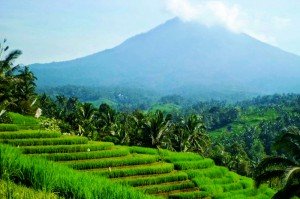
{"x":55,"y":30}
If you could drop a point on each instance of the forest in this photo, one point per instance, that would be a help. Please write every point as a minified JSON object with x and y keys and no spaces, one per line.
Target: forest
{"x":257,"y":138}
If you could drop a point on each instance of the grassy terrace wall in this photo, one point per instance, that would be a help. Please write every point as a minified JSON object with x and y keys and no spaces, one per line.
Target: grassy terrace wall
{"x":109,"y":171}
{"x":53,"y":177}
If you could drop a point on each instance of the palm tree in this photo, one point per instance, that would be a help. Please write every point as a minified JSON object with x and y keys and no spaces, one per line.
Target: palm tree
{"x":156,"y":128}
{"x":7,"y":80}
{"x":283,"y":172}
{"x":85,"y":120}
{"x":190,"y":135}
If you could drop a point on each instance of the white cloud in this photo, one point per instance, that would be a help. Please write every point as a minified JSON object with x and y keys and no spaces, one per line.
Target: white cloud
{"x":231,"y":16}
{"x":207,"y":12}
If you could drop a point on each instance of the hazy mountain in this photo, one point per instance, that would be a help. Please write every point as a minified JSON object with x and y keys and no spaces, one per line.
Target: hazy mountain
{"x":183,"y":57}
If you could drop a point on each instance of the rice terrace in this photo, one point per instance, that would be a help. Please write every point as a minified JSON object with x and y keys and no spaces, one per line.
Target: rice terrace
{"x":178,"y":99}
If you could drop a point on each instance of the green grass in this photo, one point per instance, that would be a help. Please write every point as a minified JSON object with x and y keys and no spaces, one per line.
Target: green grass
{"x":11,"y":190}
{"x":41,"y":174}
{"x":23,"y":134}
{"x":67,"y":148}
{"x":199,"y":164}
{"x":64,"y":140}
{"x":24,"y":122}
{"x":116,"y":152}
{"x":8,"y":127}
{"x":152,"y":179}
{"x":212,"y":172}
{"x":166,"y":187}
{"x":112,"y":162}
{"x":190,"y":195}
{"x":181,"y":156}
{"x":143,"y":150}
{"x":148,"y":169}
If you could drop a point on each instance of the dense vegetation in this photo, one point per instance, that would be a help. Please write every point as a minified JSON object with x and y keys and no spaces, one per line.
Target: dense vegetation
{"x":237,"y":135}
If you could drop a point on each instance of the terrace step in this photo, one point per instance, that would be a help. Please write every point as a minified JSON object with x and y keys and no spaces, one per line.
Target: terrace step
{"x":137,"y":159}
{"x":114,"y":152}
{"x":167,"y":194}
{"x":69,"y":140}
{"x":141,"y":180}
{"x":67,"y":148}
{"x":189,"y":194}
{"x":23,"y":134}
{"x":167,"y":187}
{"x":133,"y":170}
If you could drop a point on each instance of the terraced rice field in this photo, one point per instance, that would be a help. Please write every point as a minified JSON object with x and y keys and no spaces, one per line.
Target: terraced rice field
{"x":156,"y":172}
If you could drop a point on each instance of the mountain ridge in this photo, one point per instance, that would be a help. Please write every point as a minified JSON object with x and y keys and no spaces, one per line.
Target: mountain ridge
{"x":177,"y":55}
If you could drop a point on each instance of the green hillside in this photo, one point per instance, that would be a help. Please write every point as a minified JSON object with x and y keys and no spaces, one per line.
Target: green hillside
{"x":150,"y":171}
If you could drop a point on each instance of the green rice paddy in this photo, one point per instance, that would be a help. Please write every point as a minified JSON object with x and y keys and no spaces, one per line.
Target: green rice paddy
{"x":109,"y":171}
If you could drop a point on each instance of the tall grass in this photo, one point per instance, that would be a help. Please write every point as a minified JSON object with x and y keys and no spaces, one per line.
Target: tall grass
{"x":181,"y":156}
{"x":8,"y":127}
{"x":153,"y":179}
{"x":166,"y":187}
{"x":212,"y":172}
{"x":24,"y":122}
{"x":143,"y":150}
{"x":53,"y":177}
{"x":10,"y":190}
{"x":156,"y":168}
{"x":112,"y":162}
{"x":29,"y":134}
{"x":115,"y":152}
{"x":67,"y":148}
{"x":69,"y":140}
{"x":190,"y":195}
{"x":199,"y":164}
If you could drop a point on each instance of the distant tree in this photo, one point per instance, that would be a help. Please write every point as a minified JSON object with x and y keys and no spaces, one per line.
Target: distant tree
{"x":283,"y":172}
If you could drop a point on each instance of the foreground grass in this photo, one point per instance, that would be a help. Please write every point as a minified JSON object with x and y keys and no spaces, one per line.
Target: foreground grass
{"x":41,"y":174}
{"x":11,"y":190}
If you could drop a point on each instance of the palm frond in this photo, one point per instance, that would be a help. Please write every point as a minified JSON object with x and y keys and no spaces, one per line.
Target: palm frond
{"x":268,"y":176}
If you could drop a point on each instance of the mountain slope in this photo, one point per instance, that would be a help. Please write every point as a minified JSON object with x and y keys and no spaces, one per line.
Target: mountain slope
{"x":178,"y":55}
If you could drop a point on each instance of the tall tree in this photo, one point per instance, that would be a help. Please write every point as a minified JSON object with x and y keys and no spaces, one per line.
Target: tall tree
{"x":284,"y":171}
